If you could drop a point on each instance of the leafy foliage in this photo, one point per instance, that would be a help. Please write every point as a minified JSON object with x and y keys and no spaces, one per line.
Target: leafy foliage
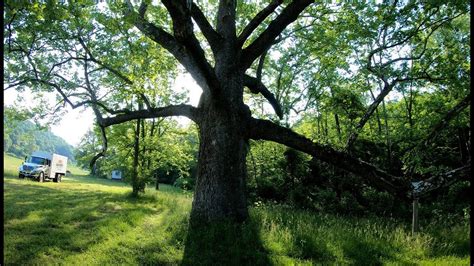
{"x":167,"y":155}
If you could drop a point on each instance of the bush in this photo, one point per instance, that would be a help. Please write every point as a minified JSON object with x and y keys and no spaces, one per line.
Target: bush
{"x":185,"y":183}
{"x":325,"y":200}
{"x":378,"y":202}
{"x":349,"y":204}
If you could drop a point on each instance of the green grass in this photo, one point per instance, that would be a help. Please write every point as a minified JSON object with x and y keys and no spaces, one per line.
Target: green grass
{"x":89,"y":221}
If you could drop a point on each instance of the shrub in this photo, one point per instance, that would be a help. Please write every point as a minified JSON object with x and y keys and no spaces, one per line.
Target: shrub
{"x":185,"y":183}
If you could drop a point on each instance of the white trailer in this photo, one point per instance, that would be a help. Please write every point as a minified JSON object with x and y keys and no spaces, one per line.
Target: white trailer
{"x":44,"y":165}
{"x":117,"y":175}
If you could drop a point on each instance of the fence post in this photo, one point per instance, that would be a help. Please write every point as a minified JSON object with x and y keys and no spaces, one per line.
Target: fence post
{"x":414,"y":227}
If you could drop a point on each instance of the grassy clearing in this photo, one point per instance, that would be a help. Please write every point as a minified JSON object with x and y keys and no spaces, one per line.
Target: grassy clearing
{"x":88,"y":221}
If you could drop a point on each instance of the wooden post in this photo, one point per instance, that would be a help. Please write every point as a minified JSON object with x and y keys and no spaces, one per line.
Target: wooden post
{"x":157,"y":186}
{"x":414,"y":227}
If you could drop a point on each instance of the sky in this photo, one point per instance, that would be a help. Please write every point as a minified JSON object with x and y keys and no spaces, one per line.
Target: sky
{"x":76,"y":122}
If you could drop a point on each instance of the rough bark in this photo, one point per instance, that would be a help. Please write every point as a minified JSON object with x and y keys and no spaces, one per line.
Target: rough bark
{"x":221,"y":174}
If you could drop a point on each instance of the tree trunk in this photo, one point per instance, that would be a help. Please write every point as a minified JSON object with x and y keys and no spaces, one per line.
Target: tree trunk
{"x":338,"y":127}
{"x":157,"y":185}
{"x":377,"y":115}
{"x":136,"y":183}
{"x":387,"y":135}
{"x":220,"y":190}
{"x":135,"y":186}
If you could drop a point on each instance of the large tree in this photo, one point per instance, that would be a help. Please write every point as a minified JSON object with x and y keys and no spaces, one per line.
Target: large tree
{"x":116,"y":58}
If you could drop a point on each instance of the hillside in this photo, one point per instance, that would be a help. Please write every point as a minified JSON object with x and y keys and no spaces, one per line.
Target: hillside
{"x":22,"y":138}
{"x":94,"y":221}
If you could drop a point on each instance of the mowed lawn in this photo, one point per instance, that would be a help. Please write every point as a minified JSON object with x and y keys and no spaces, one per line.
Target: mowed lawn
{"x":89,"y":221}
{"x":85,"y":221}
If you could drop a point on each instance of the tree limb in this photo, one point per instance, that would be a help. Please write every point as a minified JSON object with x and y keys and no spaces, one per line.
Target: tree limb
{"x":256,"y":86}
{"x":386,"y":89}
{"x":436,"y":182}
{"x":256,"y":21}
{"x":225,"y":25}
{"x":192,"y":58}
{"x":101,"y":63}
{"x":289,"y":14}
{"x":261,"y":62}
{"x":104,"y":149}
{"x":171,"y":110}
{"x":206,"y":28}
{"x":389,"y":86}
{"x":266,"y":130}
{"x":460,"y":106}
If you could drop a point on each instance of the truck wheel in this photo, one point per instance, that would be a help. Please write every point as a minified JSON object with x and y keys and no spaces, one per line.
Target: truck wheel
{"x":21,"y":176}
{"x":57,"y":178}
{"x":41,"y":177}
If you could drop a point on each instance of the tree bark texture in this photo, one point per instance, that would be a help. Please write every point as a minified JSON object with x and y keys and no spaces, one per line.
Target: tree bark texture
{"x":221,"y":173}
{"x":222,"y":170}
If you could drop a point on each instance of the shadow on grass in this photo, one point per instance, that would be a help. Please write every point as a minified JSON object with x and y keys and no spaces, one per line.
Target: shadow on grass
{"x":224,"y":243}
{"x":51,"y":224}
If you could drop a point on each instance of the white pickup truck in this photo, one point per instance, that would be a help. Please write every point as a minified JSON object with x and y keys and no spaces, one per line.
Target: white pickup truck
{"x":43,"y":165}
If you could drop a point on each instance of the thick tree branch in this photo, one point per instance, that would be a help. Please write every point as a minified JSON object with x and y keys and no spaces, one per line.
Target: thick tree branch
{"x":183,"y":32}
{"x":261,"y":62}
{"x":434,"y":183}
{"x":266,"y":130}
{"x":226,"y":20}
{"x":171,"y":110}
{"x":256,"y":21}
{"x":206,"y":28}
{"x":256,"y":86}
{"x":289,"y":14}
{"x":188,"y":54}
{"x":104,"y":149}
{"x":386,"y":89}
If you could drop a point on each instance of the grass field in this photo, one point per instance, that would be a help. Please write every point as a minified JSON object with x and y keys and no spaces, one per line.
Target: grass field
{"x":89,"y":221}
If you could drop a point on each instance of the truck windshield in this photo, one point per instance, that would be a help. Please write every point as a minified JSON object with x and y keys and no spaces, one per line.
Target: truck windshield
{"x":36,"y":160}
